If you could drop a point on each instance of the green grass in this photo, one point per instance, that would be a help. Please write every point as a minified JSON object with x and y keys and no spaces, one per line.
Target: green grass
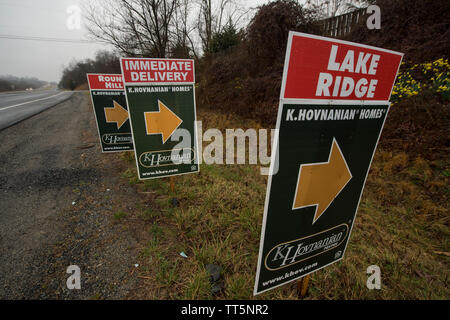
{"x":401,"y":226}
{"x":119,"y":215}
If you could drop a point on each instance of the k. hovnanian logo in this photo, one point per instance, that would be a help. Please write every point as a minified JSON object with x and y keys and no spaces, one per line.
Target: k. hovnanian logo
{"x":295,"y":251}
{"x":117,"y":138}
{"x":161,"y":158}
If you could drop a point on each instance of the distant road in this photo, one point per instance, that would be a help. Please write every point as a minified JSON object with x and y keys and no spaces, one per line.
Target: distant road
{"x":20,"y":105}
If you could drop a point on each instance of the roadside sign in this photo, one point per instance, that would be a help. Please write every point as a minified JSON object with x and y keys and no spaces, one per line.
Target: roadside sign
{"x":330,"y":69}
{"x":325,"y":148}
{"x":161,"y":101}
{"x":110,"y":110}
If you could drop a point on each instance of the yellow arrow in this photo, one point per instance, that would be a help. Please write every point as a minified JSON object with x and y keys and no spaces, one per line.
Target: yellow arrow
{"x":117,"y":114}
{"x":163,"y":122}
{"x":319,"y":184}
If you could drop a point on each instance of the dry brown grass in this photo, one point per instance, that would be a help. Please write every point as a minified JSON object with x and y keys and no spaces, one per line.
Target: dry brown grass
{"x":401,"y":226}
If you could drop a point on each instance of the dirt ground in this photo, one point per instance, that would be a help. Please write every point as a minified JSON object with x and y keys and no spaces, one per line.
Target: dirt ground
{"x":58,"y":194}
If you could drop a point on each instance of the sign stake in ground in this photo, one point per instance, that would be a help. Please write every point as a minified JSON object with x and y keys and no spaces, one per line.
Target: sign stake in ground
{"x":172,"y":185}
{"x":110,"y":110}
{"x":302,"y":286}
{"x":161,"y":103}
{"x":333,"y":104}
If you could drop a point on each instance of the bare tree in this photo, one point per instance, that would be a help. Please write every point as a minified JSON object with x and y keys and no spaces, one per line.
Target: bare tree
{"x":161,"y":28}
{"x":214,"y":16}
{"x":184,"y":31}
{"x":134,"y":27}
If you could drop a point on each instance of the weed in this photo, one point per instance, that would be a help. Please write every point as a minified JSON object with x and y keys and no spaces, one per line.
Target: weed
{"x":119,"y":215}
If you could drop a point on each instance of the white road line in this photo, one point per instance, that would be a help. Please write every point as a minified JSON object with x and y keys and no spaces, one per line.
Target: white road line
{"x":20,"y":104}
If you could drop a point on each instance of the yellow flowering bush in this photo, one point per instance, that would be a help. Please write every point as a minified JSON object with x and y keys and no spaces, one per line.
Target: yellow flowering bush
{"x":433,"y":76}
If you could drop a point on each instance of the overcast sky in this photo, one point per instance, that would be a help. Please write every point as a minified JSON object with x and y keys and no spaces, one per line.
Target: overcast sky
{"x":45,"y":18}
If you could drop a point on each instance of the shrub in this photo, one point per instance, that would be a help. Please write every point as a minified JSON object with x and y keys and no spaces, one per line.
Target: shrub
{"x":268,"y":32}
{"x":432,"y":76}
{"x":418,"y":28}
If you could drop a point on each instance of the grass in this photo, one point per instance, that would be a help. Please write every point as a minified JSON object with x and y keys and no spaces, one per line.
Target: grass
{"x":401,"y":226}
{"x":119,"y":215}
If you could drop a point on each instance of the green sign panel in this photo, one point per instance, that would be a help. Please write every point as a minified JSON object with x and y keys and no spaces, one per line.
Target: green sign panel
{"x":162,"y":117}
{"x":324,"y":155}
{"x":333,"y":104}
{"x":111,"y":114}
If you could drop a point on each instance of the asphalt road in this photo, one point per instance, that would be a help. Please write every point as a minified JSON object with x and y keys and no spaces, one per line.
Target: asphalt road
{"x":58,"y":196}
{"x":20,"y":105}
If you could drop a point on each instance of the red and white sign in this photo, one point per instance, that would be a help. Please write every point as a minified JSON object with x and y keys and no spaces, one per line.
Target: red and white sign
{"x":104,"y":81}
{"x":149,"y":70}
{"x":330,"y":69}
